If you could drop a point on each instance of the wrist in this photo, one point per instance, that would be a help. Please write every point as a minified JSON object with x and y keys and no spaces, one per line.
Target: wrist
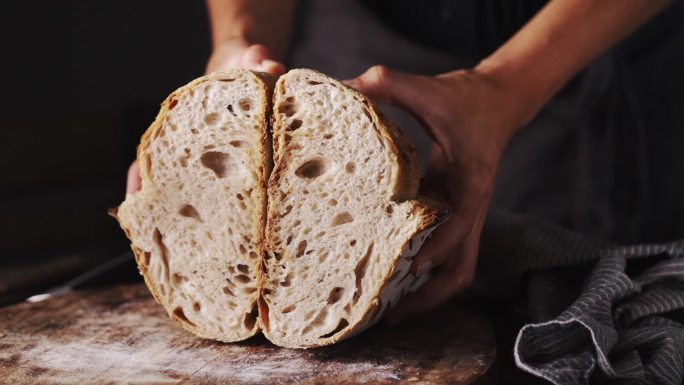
{"x":483,"y":113}
{"x":522,"y":95}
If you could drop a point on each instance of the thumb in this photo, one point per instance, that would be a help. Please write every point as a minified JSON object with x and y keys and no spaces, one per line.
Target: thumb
{"x":384,"y":85}
{"x":259,"y":58}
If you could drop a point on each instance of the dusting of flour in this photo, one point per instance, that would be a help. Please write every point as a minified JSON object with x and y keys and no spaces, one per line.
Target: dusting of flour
{"x":120,"y":336}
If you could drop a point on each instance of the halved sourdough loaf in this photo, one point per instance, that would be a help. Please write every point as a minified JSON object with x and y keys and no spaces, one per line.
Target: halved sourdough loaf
{"x":343,"y":223}
{"x":344,"y":220}
{"x":196,"y":226}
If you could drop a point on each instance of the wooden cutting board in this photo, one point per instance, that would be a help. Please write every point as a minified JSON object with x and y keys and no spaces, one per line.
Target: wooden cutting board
{"x":121,"y":335}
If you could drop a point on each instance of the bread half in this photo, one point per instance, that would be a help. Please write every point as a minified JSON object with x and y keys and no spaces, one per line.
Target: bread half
{"x":196,"y":226}
{"x":344,"y":221}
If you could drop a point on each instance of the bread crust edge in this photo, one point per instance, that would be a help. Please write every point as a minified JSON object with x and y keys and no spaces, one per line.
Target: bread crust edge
{"x":431,"y":212}
{"x":266,"y":81}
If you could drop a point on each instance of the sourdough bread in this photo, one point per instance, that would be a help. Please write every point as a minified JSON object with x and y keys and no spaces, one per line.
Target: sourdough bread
{"x":344,"y":220}
{"x":196,"y":226}
{"x":343,"y":223}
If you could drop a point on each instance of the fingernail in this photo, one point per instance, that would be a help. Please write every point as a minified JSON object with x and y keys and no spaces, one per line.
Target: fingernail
{"x":423,"y":268}
{"x":270,"y":65}
{"x":269,"y":62}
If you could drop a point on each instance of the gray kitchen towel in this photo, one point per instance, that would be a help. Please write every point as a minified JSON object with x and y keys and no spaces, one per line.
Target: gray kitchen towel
{"x":625,"y":324}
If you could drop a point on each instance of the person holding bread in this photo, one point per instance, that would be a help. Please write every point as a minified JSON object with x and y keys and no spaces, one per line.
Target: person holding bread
{"x":540,"y":107}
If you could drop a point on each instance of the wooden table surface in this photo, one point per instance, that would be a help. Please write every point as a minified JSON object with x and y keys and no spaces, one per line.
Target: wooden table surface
{"x":120,"y":335}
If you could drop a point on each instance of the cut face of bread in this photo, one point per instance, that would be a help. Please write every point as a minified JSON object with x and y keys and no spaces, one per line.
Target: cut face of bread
{"x":343,"y":223}
{"x":196,"y":226}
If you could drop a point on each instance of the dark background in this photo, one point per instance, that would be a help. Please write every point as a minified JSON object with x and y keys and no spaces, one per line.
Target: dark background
{"x":82,"y":80}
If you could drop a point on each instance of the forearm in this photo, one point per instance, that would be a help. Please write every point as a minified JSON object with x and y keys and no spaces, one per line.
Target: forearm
{"x":266,"y":22}
{"x":559,"y":41}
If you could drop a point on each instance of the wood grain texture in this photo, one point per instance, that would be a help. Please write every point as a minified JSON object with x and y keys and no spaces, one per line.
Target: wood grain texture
{"x":121,"y":335}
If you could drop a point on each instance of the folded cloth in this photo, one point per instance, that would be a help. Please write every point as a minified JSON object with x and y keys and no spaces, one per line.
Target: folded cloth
{"x":625,"y":326}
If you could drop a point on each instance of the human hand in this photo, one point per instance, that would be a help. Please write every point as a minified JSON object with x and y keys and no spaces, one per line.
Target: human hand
{"x":239,"y":54}
{"x":470,"y":114}
{"x":133,"y":180}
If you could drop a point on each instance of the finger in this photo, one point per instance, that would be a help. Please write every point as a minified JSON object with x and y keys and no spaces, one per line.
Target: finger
{"x":397,"y":88}
{"x":433,"y":182}
{"x":444,"y":242}
{"x":133,"y":181}
{"x":259,"y":58}
{"x":441,"y":287}
{"x":384,"y":85}
{"x":469,"y":200}
{"x":454,"y":276}
{"x":437,"y":163}
{"x":272,"y":67}
{"x":254,"y":55}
